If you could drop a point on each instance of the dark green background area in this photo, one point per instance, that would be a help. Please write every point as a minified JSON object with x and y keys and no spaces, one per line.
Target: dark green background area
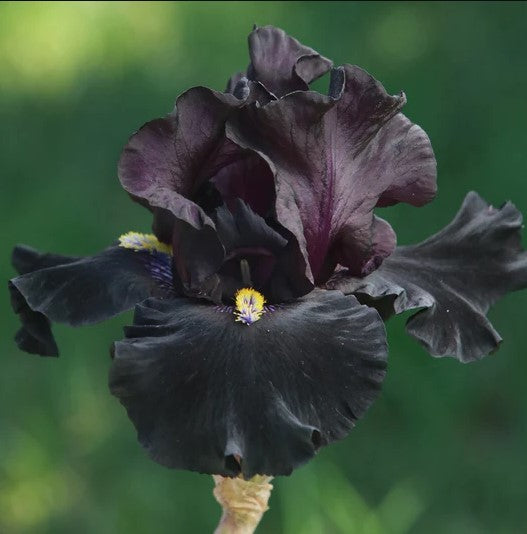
{"x":442,"y":450}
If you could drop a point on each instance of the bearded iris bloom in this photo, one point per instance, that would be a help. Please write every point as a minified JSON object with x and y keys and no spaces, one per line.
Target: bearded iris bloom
{"x":260,"y":298}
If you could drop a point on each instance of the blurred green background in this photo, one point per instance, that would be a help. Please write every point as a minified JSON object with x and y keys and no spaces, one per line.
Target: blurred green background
{"x":445,"y":447}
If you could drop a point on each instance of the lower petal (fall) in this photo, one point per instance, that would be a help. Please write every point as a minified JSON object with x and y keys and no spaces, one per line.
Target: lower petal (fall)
{"x":210,"y":394}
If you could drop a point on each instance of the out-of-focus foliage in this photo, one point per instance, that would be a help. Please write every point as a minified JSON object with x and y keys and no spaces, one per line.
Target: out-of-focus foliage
{"x":443,"y":450}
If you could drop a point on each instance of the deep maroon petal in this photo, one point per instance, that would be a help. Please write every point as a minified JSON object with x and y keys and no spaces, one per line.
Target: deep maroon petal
{"x":203,"y":389}
{"x":168,"y":159}
{"x":281,"y":63}
{"x":334,"y":158}
{"x":455,"y":276}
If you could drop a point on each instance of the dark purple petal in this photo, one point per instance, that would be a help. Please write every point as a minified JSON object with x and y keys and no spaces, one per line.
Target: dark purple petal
{"x":168,"y":159}
{"x":455,"y":276}
{"x":375,"y":242}
{"x":249,"y":91}
{"x":334,"y":158}
{"x":202,"y":389}
{"x":233,"y":81}
{"x":258,"y":93}
{"x":281,"y":63}
{"x":248,"y":178}
{"x":82,"y":291}
{"x":411,"y":159}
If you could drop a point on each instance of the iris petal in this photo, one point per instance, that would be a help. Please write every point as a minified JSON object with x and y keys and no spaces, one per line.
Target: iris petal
{"x":241,"y":228}
{"x":26,"y":259}
{"x":198,"y":255}
{"x":277,"y":267}
{"x":79,"y":291}
{"x":247,"y":178}
{"x":207,"y":260}
{"x":411,"y":160}
{"x":203,"y":389}
{"x":281,"y":63}
{"x":378,"y":238}
{"x":167,"y":160}
{"x":455,"y":276}
{"x":335,"y":158}
{"x":35,"y":335}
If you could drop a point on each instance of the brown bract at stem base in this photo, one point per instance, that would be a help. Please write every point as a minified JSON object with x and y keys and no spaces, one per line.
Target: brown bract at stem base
{"x":244,"y":503}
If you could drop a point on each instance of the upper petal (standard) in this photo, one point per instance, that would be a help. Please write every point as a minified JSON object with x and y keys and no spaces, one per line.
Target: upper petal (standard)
{"x":335,"y":158}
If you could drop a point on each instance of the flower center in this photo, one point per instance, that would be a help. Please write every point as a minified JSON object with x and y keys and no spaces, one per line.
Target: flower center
{"x":249,"y":305}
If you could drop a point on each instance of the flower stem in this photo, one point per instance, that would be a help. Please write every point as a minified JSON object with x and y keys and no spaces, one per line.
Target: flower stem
{"x":244,"y":502}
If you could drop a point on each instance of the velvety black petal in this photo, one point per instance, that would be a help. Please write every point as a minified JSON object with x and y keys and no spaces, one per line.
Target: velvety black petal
{"x":281,"y":63}
{"x":197,"y":256}
{"x":82,"y":290}
{"x":35,"y":335}
{"x":168,"y":159}
{"x":455,"y":275}
{"x":27,"y":259}
{"x":335,"y":158}
{"x":289,"y":280}
{"x":207,"y":261}
{"x":213,"y":395}
{"x":243,"y":229}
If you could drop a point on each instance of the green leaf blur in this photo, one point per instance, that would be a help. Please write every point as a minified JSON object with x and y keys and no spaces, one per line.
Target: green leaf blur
{"x":444,"y":448}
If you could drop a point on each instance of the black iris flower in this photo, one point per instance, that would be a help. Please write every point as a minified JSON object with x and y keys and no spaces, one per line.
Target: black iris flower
{"x":260,"y":297}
